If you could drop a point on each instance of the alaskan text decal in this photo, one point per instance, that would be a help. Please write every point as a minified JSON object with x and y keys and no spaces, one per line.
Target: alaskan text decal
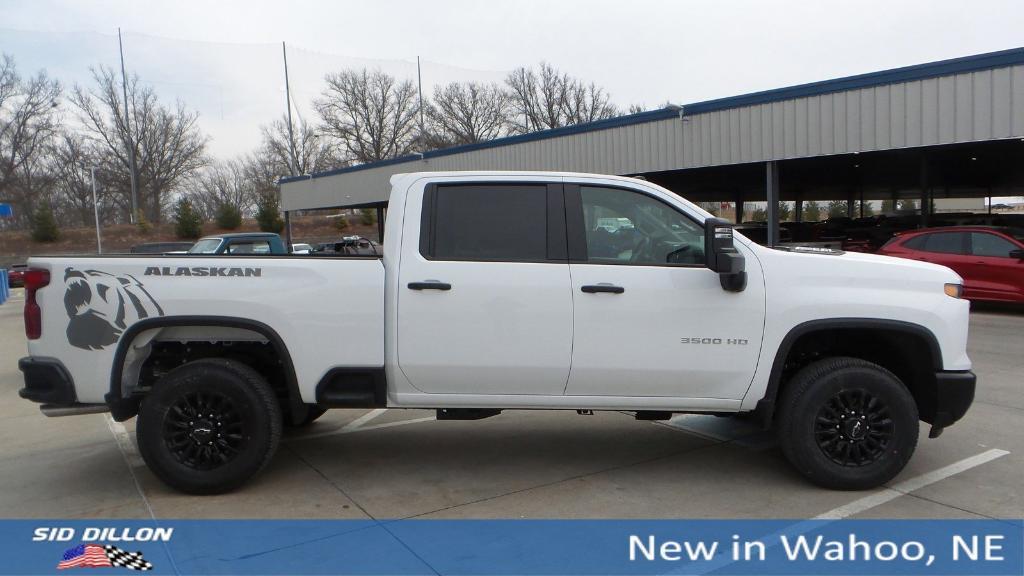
{"x":101,"y":305}
{"x":204,"y":271}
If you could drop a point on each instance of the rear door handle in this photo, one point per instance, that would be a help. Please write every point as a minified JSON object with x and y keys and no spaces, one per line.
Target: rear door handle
{"x":595,"y":288}
{"x":430,"y":285}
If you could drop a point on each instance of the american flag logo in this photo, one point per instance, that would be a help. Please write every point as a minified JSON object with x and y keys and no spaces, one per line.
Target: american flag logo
{"x":97,"y":556}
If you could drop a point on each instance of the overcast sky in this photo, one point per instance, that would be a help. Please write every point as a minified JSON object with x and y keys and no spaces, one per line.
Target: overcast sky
{"x":223,"y":58}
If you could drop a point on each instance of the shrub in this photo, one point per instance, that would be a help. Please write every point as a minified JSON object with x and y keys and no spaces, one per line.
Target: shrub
{"x":340,"y":222}
{"x":141,"y":224}
{"x":268,"y":214}
{"x":44,"y":225}
{"x":368,"y":216}
{"x":229,"y":217}
{"x":187,"y":223}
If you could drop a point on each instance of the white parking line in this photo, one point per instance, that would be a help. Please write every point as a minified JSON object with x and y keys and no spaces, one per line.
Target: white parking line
{"x":131,"y":457}
{"x":860,"y":505}
{"x":358,"y":422}
{"x":907,"y":486}
{"x":124,"y":442}
{"x":347,"y":430}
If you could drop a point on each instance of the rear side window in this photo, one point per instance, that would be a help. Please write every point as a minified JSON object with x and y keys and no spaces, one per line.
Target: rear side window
{"x":253,"y":247}
{"x":945,"y":242}
{"x":984,"y":244}
{"x":205,"y":246}
{"x":486,"y":223}
{"x":916,"y":243}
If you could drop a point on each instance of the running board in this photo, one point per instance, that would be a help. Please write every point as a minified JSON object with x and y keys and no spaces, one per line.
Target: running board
{"x":57,"y":410}
{"x":466,"y":413}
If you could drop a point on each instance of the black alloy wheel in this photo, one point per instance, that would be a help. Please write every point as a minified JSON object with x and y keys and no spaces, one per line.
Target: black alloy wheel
{"x":204,"y":430}
{"x":209,"y":426}
{"x":853,"y":427}
{"x":846,"y":423}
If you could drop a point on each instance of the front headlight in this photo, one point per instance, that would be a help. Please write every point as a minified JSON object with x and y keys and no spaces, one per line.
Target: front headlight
{"x":954,"y":290}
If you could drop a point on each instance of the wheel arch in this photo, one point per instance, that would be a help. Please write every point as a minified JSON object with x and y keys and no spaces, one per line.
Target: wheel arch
{"x":123,"y":408}
{"x":918,"y":336}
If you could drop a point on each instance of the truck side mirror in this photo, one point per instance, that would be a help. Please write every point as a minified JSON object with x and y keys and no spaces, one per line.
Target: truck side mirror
{"x":721,"y":255}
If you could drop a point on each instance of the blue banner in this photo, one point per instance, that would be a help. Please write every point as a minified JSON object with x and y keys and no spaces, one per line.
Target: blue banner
{"x":506,"y":547}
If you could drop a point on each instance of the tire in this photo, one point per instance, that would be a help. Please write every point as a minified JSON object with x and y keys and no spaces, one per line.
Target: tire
{"x":876,"y":416}
{"x":209,"y":426}
{"x":310,"y":413}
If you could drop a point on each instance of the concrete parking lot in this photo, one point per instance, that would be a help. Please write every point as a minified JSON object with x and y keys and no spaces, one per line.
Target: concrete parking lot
{"x":522,"y":464}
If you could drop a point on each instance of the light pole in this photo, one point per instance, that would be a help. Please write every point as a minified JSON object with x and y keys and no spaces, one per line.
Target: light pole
{"x":96,"y":210}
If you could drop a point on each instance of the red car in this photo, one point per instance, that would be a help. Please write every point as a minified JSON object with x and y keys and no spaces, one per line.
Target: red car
{"x":989,"y":259}
{"x":16,"y":275}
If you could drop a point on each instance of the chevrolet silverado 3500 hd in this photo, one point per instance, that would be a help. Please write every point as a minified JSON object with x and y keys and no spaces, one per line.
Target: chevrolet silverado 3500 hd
{"x":507,"y":290}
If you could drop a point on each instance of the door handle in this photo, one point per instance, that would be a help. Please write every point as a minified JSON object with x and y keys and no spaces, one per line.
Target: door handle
{"x":609,"y":288}
{"x":430,"y":285}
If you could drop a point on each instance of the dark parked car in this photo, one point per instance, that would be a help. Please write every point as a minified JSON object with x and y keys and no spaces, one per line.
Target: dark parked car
{"x":160,"y":247}
{"x":16,"y":275}
{"x":988,"y":258}
{"x":240,"y":243}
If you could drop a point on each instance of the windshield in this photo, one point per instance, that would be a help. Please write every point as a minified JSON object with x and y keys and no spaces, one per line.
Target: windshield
{"x":205,"y":246}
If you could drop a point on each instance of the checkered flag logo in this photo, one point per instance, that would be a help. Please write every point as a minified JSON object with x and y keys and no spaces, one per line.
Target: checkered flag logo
{"x":96,"y":556}
{"x":129,"y":560}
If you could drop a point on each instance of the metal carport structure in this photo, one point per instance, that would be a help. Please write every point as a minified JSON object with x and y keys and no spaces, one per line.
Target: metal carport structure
{"x":953,"y":128}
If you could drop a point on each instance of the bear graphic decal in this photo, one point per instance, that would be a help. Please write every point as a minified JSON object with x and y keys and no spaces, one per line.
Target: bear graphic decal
{"x":101,"y":306}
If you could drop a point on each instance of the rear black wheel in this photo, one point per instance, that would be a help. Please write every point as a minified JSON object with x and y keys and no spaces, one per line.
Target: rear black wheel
{"x":209,"y":426}
{"x":847,"y":424}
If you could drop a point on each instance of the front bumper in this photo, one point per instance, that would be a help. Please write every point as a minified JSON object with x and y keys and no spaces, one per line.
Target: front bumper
{"x":954,"y":393}
{"x":47,"y":381}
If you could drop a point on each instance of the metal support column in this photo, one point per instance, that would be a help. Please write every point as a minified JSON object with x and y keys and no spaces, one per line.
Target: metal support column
{"x":738,"y":215}
{"x":772,"y":194}
{"x":381,"y":214}
{"x":288,"y":231}
{"x":926,"y":208}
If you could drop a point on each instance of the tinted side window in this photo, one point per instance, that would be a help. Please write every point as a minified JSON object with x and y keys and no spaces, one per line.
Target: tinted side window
{"x":983,"y":244}
{"x":253,"y":247}
{"x":625,"y":227}
{"x":491,"y":223}
{"x":945,"y":242}
{"x":916,"y":243}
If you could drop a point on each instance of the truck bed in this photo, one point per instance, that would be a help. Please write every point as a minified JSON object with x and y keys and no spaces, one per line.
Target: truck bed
{"x":327,"y":310}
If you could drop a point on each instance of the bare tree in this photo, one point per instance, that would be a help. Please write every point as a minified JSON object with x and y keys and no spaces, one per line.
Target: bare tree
{"x":169,"y":146}
{"x":263,"y":171}
{"x":313,"y":151}
{"x":28,"y":119}
{"x":546,"y":98}
{"x":222,"y":183}
{"x":467,"y":113}
{"x":586,"y":103}
{"x":69,"y":161}
{"x":371,"y":114}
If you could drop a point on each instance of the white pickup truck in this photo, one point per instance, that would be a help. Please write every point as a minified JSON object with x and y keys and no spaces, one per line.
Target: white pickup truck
{"x":507,"y":290}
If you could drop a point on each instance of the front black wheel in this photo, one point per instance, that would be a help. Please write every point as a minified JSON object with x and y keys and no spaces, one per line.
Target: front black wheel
{"x":208,"y":426}
{"x":847,"y":424}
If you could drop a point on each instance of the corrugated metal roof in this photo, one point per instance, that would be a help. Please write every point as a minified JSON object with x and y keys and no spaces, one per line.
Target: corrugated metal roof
{"x":929,"y":70}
